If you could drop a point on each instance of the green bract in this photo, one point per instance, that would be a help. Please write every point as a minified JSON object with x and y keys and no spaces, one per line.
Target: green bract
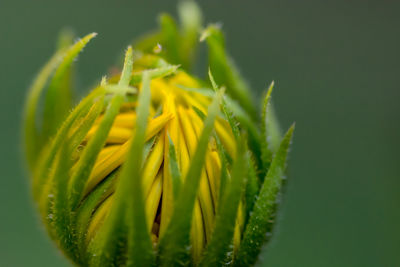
{"x":155,"y":166}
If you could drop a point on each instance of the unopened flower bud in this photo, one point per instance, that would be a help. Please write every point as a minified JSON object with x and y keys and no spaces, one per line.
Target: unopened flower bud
{"x":155,"y":166}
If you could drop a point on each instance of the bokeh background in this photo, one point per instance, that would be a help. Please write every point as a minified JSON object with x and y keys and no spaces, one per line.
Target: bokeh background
{"x":337,"y":73}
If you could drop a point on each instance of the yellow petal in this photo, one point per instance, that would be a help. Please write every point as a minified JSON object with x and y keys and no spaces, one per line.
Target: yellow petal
{"x":188,"y":132}
{"x":193,"y":129}
{"x":153,"y":200}
{"x":197,"y":232}
{"x":125,"y":120}
{"x":184,"y":79}
{"x":168,"y":196}
{"x":238,"y":226}
{"x":117,"y":135}
{"x":108,"y":164}
{"x":153,"y":164}
{"x":98,"y":218}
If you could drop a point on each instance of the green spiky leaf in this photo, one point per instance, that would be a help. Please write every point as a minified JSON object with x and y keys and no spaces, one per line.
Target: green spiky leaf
{"x":96,"y":143}
{"x":225,"y":72}
{"x":31,"y":134}
{"x":58,"y":95}
{"x":60,"y":212}
{"x":106,"y":243}
{"x":91,"y":151}
{"x":154,"y":73}
{"x":41,"y":172}
{"x":140,"y":248}
{"x":252,"y":186}
{"x":263,"y":215}
{"x":87,"y":209}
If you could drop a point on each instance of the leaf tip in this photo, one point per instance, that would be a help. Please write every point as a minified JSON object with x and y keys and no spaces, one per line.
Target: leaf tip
{"x":292,"y":127}
{"x":88,"y":37}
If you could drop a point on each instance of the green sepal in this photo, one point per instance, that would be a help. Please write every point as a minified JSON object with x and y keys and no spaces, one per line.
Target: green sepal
{"x":219,"y":246}
{"x":47,"y":168}
{"x":83,"y":124}
{"x":173,"y":244}
{"x":225,"y":71}
{"x":31,"y":133}
{"x":59,"y":212}
{"x":91,"y":151}
{"x":33,"y":138}
{"x":86,"y":210}
{"x":47,"y":156}
{"x":246,"y":122}
{"x":153,"y":73}
{"x":266,"y":148}
{"x":274,"y":134}
{"x":126,"y":74}
{"x":270,"y":132}
{"x":226,"y":162}
{"x":225,"y":109}
{"x":97,"y":142}
{"x":233,"y":114}
{"x":252,"y":186}
{"x":54,"y":196}
{"x":140,"y":248}
{"x":191,"y":21}
{"x":106,"y":245}
{"x":148,"y":61}
{"x":262,"y":219}
{"x":58,"y":95}
{"x":127,"y":213}
{"x":63,"y":84}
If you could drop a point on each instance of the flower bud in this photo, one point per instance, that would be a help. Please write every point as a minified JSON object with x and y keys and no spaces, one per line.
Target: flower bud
{"x":155,"y":166}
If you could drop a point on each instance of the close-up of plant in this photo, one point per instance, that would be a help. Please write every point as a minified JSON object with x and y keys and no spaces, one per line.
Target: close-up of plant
{"x":155,"y":165}
{"x":199,"y":133}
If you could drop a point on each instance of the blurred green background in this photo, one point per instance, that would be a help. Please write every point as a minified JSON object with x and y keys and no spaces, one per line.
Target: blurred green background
{"x":337,"y":73}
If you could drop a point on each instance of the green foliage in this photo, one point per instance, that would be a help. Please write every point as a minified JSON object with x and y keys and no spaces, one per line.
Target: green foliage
{"x":263,"y":215}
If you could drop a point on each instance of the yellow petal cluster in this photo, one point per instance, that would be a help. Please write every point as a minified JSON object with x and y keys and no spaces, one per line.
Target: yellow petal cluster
{"x":175,"y":117}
